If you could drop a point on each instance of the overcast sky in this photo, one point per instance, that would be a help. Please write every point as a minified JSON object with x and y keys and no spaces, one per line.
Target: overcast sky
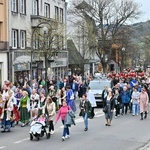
{"x":145,"y":8}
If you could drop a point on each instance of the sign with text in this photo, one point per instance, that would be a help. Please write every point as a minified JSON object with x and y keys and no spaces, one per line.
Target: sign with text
{"x":22,"y":67}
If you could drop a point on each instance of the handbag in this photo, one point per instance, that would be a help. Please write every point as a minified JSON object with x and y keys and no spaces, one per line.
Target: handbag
{"x":105,"y":109}
{"x":80,"y":113}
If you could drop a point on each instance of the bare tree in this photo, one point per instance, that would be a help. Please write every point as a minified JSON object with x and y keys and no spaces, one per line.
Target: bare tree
{"x":104,"y":21}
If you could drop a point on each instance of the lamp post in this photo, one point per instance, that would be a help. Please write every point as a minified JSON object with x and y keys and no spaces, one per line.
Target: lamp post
{"x":124,"y":61}
{"x":43,"y":48}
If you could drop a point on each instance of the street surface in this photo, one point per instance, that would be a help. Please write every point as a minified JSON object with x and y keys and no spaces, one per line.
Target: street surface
{"x":126,"y":133}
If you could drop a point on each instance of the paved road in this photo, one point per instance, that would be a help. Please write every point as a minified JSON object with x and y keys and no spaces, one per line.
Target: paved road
{"x":126,"y":133}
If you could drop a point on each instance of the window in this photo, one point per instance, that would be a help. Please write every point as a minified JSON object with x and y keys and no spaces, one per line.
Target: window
{"x":56,"y":13}
{"x":35,"y":7}
{"x":47,"y":10}
{"x":14,"y":39}
{"x":1,"y":1}
{"x":61,"y":15}
{"x":22,"y":6}
{"x":22,"y":39}
{"x":14,"y":6}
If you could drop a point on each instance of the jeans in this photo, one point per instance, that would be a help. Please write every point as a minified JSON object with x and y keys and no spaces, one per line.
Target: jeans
{"x":75,"y":93}
{"x":85,"y":118}
{"x":51,"y":126}
{"x":126,"y":107}
{"x":135,"y":109}
{"x":65,"y":130}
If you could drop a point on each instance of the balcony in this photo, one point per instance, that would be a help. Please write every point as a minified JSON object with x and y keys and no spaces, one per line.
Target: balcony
{"x":3,"y":46}
{"x":36,"y":19}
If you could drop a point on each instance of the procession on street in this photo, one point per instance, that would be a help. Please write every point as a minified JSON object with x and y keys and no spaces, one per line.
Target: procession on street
{"x":30,"y":104}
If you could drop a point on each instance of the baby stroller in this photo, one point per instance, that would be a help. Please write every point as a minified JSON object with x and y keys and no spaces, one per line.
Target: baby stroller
{"x":38,"y":129}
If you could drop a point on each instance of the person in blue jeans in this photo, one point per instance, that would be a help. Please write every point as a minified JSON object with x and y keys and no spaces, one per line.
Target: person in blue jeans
{"x":125,"y":98}
{"x":85,"y":109}
{"x":135,"y":103}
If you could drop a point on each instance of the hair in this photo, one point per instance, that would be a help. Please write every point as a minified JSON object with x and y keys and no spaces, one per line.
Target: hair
{"x":49,"y":98}
{"x":84,"y":95}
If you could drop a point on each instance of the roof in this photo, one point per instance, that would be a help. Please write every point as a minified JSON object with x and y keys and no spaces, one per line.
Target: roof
{"x":74,"y":56}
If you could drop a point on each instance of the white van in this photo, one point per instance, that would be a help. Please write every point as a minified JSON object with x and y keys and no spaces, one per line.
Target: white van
{"x":97,"y":87}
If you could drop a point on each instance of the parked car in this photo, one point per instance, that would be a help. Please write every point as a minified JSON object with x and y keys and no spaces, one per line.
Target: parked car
{"x":97,"y":87}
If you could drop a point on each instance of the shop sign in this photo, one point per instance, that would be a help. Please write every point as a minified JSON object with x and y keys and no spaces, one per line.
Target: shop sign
{"x":34,"y":65}
{"x":59,"y":63}
{"x":22,"y":66}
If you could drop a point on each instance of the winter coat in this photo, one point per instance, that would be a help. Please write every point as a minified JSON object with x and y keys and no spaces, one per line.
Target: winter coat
{"x":135,"y":97}
{"x":86,"y":107}
{"x":143,"y":100}
{"x":62,"y":113}
{"x":125,"y":97}
{"x":9,"y":108}
{"x":50,"y":110}
{"x":69,"y":119}
{"x":112,"y":103}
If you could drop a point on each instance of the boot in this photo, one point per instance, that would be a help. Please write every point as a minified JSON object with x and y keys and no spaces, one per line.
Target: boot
{"x":145,"y":115}
{"x":141,"y":116}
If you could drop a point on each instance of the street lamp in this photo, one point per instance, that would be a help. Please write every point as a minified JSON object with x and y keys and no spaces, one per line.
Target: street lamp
{"x":42,"y":34}
{"x":123,"y":50}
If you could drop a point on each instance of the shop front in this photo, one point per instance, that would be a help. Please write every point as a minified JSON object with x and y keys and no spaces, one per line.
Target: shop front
{"x":21,"y":70}
{"x":59,"y":69}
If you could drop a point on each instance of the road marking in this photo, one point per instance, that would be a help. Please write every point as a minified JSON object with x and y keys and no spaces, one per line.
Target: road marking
{"x":79,"y":120}
{"x":20,"y":141}
{"x":2,"y":147}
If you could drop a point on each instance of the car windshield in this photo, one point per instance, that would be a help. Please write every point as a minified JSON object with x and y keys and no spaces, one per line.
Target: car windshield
{"x":98,"y":85}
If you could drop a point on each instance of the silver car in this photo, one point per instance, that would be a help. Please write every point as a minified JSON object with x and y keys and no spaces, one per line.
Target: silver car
{"x":97,"y":87}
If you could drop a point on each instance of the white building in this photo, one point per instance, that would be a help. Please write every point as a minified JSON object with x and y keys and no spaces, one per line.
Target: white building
{"x":24,"y":15}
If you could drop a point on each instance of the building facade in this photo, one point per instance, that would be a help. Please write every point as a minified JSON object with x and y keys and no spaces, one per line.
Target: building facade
{"x":24,"y":17}
{"x":3,"y":41}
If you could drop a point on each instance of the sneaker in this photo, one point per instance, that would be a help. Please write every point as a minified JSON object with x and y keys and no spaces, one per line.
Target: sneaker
{"x":85,"y":129}
{"x":52,"y":132}
{"x":67,"y":136}
{"x":133,"y":114}
{"x":63,"y":138}
{"x":115,"y":117}
{"x":118,"y":115}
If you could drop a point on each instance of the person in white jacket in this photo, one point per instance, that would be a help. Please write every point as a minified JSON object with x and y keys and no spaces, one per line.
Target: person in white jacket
{"x":91,"y":98}
{"x":135,"y":101}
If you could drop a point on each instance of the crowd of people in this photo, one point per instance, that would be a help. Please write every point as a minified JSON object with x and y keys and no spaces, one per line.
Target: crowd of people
{"x":130,"y":92}
{"x":21,"y":102}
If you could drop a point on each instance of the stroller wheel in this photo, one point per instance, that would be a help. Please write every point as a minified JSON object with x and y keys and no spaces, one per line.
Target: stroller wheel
{"x":31,"y":137}
{"x":48,"y":135}
{"x":42,"y":134}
